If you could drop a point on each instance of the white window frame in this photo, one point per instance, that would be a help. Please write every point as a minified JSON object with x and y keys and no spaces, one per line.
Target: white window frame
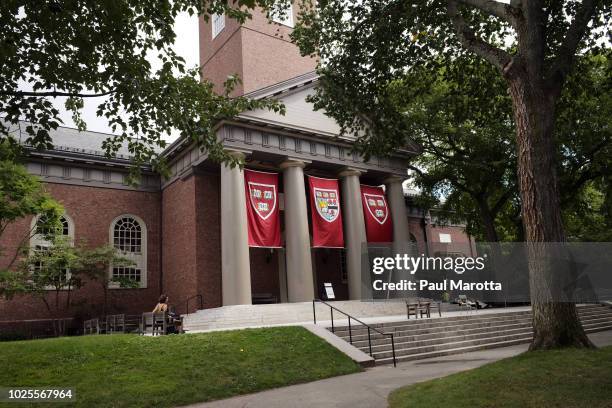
{"x":286,"y":19}
{"x":217,"y":23}
{"x":140,"y":259}
{"x":39,"y":241}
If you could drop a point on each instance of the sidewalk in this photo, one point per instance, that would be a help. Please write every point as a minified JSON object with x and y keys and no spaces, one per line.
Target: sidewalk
{"x":370,"y":388}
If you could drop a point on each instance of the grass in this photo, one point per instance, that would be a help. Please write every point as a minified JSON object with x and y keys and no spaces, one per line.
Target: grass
{"x":136,"y":371}
{"x":560,"y":378}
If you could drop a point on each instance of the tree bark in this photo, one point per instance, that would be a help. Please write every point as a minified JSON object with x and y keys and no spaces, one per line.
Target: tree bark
{"x":488,"y":221}
{"x":555,"y":319}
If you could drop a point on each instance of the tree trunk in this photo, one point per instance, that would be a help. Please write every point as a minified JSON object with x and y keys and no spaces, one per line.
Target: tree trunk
{"x":488,"y":221}
{"x":555,"y":319}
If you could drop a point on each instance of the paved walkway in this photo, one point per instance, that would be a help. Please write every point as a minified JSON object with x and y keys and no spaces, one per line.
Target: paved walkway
{"x":369,"y":389}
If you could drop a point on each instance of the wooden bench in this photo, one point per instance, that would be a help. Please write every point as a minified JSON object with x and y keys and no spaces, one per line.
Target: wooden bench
{"x":417,"y":307}
{"x":157,"y":323}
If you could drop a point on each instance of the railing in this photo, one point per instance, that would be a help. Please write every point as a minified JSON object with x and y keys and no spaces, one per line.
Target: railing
{"x":370,"y":328}
{"x":199,"y":297}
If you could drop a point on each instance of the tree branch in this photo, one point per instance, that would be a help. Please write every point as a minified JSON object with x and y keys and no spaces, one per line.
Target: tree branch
{"x":469,"y":39}
{"x":493,"y":8}
{"x":501,"y":201}
{"x":564,"y":60}
{"x":55,"y":94}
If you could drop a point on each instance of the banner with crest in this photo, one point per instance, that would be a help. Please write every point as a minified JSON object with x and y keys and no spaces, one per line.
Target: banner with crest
{"x":379,"y":227}
{"x":262,"y":209}
{"x":325,"y":213}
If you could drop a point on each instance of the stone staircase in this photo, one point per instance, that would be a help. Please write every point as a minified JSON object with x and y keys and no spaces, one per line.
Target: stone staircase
{"x":471,"y":331}
{"x":242,"y":316}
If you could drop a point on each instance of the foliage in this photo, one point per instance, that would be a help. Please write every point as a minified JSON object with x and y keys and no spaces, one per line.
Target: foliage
{"x":62,"y":267}
{"x":175,"y":370}
{"x":22,"y":194}
{"x":95,"y":265}
{"x":463,"y":121}
{"x":559,"y":378}
{"x":101,"y":49}
{"x":364,"y":46}
{"x":51,"y":268}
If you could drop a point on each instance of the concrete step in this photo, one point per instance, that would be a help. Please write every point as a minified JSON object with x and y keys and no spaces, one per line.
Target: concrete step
{"x":466,"y":349}
{"x":460,"y":334}
{"x":401,"y":343}
{"x":402,"y":328}
{"x":459,"y":330}
{"x":414,"y":329}
{"x":440,"y":335}
{"x":439,"y":320}
{"x":490,"y":338}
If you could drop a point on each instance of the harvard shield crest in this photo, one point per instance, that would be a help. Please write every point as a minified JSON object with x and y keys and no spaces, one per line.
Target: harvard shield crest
{"x":327,"y":203}
{"x":263,"y":198}
{"x":377,"y":206}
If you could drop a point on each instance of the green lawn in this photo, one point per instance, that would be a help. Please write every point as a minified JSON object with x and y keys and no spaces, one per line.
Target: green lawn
{"x":561,"y":378}
{"x":130,"y":370}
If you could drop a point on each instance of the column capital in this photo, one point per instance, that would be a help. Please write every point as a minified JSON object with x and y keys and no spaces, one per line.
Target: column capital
{"x":350,"y":171}
{"x":293,"y":163}
{"x":394,"y":179}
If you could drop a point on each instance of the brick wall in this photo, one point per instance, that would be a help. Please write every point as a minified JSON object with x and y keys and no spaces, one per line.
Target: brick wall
{"x":259,"y":52}
{"x":92,"y":210}
{"x":179,"y":240}
{"x":208,"y":237}
{"x":192,"y":240}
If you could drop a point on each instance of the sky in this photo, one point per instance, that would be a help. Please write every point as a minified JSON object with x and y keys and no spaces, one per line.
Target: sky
{"x":186,"y":45}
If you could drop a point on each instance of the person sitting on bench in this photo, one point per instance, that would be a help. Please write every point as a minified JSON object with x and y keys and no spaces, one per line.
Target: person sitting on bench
{"x":162,"y":304}
{"x":174,"y":321}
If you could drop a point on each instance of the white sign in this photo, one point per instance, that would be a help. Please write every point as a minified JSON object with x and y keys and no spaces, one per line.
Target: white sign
{"x":329,"y":290}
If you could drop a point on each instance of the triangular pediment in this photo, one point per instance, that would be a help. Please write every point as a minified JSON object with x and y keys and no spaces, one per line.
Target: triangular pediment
{"x":300,"y":114}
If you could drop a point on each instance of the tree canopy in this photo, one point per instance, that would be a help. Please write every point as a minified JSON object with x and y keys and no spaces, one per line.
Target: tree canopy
{"x":91,"y":49}
{"x":464,"y":123}
{"x":366,"y":45}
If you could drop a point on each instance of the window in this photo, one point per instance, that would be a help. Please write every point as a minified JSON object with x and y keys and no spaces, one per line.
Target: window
{"x":285,"y":18}
{"x":445,"y":238}
{"x":128,"y":234}
{"x":40,"y":239}
{"x":218,"y":24}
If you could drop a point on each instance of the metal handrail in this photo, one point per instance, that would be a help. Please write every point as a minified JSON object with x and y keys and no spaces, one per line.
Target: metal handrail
{"x":198,"y":296}
{"x":332,"y":308}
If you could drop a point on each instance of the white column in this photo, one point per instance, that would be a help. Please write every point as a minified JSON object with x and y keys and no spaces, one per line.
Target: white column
{"x":300,"y":283}
{"x":399,"y":216}
{"x":235,"y":267}
{"x":354,"y":229}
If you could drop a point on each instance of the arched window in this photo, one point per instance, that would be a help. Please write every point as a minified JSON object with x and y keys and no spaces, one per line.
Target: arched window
{"x":39,"y":240}
{"x":128,"y":235}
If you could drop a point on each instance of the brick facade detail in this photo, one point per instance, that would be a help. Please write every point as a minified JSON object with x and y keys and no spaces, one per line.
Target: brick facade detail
{"x":92,"y":211}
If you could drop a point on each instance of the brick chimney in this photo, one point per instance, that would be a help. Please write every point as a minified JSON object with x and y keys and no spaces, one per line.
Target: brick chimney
{"x":260,"y":52}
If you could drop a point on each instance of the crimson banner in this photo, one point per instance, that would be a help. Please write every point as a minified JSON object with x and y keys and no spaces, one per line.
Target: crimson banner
{"x":379,"y":227}
{"x":325,"y":213}
{"x":262,"y":209}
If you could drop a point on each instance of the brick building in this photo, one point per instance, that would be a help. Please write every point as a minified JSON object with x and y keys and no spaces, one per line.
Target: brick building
{"x":187,"y":233}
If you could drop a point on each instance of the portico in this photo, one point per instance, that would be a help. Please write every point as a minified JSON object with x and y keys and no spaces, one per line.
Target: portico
{"x":294,"y":155}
